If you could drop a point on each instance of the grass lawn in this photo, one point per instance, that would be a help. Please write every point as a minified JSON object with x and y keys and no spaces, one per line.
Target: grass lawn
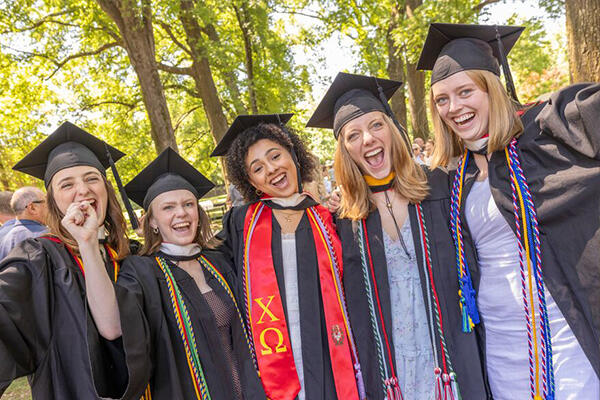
{"x":18,"y":390}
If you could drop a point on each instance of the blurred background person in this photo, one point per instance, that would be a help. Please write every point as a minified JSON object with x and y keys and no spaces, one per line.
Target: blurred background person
{"x":428,"y":154}
{"x":417,"y":153}
{"x":7,"y":216}
{"x":30,"y":208}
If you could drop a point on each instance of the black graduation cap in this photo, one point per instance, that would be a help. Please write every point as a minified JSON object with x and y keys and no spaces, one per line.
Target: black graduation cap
{"x":169,"y":171}
{"x":451,"y":48}
{"x":243,"y":122}
{"x":351,"y":96}
{"x":68,"y":146}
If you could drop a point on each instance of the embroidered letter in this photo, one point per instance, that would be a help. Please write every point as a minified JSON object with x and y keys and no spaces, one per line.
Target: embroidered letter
{"x":266,"y":310}
{"x":266,"y":350}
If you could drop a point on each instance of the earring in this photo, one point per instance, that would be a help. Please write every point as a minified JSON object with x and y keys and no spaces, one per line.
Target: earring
{"x":155,"y":230}
{"x":258,"y":192}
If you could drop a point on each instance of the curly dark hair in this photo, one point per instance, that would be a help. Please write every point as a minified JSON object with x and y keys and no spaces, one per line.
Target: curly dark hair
{"x":235,"y":161}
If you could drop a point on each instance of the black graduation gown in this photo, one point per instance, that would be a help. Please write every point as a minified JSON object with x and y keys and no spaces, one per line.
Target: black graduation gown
{"x":318,"y":374}
{"x":47,"y":332}
{"x":141,"y":281}
{"x":462,"y":347}
{"x":560,"y":157}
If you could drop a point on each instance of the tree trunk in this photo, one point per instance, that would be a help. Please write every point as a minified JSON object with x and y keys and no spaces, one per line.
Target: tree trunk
{"x":395,"y":70}
{"x":135,"y":27}
{"x":230,"y":77}
{"x":244,"y":22}
{"x":201,"y":72}
{"x":416,"y":88}
{"x":583,"y":34}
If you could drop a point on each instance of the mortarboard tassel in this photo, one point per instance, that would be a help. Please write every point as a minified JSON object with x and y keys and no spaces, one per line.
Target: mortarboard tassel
{"x":510,"y":85}
{"x":132,"y":217}
{"x":389,"y":112}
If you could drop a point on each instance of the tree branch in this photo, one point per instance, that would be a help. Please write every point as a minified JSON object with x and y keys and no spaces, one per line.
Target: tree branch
{"x":42,"y":21}
{"x":484,"y":3}
{"x":184,"y":116}
{"x":170,"y":33}
{"x":190,"y":92}
{"x":130,"y":106}
{"x":174,"y":70}
{"x":60,"y":64}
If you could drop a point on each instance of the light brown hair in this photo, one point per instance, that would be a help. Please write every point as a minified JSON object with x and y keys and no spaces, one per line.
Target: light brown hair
{"x":503,"y":121}
{"x":114,"y":222}
{"x":204,"y":236}
{"x":410,"y":181}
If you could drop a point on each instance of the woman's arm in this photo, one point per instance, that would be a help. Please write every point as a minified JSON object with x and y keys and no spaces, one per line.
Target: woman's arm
{"x":82,"y":223}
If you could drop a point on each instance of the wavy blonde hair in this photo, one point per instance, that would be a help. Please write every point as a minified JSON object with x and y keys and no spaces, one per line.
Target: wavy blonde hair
{"x":503,"y":121}
{"x":410,"y":181}
{"x":114,"y":222}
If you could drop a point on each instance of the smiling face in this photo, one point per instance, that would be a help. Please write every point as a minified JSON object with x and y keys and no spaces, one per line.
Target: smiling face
{"x":271,"y":169}
{"x":80,"y":183}
{"x":368,"y":140}
{"x":462,"y":105}
{"x":175,"y":214}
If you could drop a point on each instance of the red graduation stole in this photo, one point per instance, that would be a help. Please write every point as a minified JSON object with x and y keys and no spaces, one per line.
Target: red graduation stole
{"x":265,"y":315}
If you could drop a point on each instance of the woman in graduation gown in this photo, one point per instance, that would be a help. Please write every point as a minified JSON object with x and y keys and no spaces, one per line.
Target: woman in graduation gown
{"x":393,"y":224}
{"x":526,"y":195}
{"x":184,"y":287}
{"x":288,"y":262}
{"x":51,"y":287}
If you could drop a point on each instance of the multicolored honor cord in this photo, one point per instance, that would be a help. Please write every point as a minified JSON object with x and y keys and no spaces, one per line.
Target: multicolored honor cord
{"x":466,"y":293}
{"x":186,"y":331}
{"x":528,"y":240}
{"x":389,"y":381}
{"x":445,"y":377}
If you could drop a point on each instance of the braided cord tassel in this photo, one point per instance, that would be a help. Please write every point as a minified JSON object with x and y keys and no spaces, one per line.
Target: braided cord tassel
{"x":532,"y":240}
{"x":374,"y":325}
{"x":448,"y":376}
{"x":468,"y":304}
{"x":186,"y":331}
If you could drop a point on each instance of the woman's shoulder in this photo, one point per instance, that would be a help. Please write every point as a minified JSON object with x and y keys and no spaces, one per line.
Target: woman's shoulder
{"x":438,"y":180}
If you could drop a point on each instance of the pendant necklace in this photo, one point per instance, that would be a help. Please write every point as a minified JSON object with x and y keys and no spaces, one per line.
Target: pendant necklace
{"x":388,"y":204}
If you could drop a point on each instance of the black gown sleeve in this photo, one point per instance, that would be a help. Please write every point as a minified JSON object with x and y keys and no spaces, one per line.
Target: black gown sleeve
{"x":24,"y":312}
{"x":572,"y":116}
{"x":136,"y":339}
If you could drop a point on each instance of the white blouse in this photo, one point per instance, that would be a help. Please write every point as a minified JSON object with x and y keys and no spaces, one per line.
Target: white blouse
{"x":500,"y":303}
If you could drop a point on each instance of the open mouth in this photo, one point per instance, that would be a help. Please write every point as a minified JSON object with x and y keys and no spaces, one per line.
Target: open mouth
{"x":280,"y":181}
{"x":181,"y":227}
{"x":464,"y":119}
{"x":374,"y":158}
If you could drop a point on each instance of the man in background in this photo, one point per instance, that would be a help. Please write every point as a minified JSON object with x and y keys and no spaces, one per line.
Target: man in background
{"x":7,"y":216}
{"x":30,"y":208}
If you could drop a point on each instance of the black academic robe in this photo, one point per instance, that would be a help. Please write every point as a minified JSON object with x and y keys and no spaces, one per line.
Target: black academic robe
{"x":462,"y":347}
{"x":48,"y":334}
{"x":141,"y":281}
{"x":560,"y":157}
{"x":318,"y":374}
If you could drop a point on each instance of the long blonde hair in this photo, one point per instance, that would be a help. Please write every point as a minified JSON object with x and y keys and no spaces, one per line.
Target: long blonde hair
{"x":204,"y":235}
{"x":503,"y":121}
{"x":410,"y":181}
{"x":114,"y":222}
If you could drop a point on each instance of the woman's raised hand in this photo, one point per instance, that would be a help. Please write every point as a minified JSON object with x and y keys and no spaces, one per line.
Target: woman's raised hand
{"x":81,"y":221}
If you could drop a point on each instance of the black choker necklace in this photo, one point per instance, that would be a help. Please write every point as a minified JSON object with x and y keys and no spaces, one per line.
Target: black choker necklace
{"x":172,"y":257}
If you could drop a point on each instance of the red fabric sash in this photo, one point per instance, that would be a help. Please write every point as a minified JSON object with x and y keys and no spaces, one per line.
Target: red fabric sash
{"x":265,"y":309}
